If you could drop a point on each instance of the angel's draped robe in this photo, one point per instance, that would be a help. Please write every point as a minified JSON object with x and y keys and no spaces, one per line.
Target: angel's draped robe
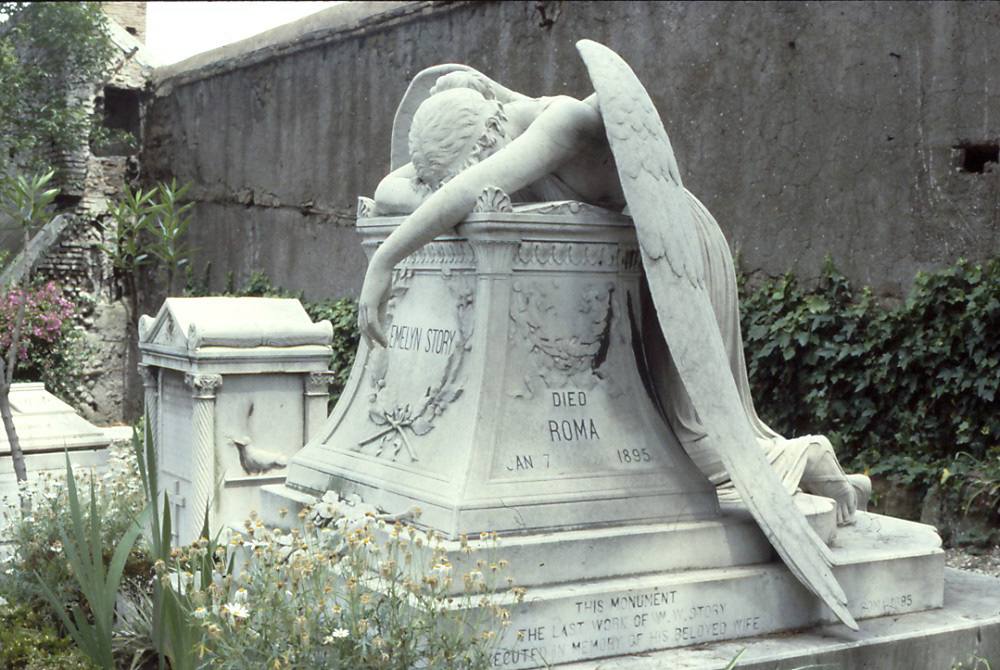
{"x":788,"y":457}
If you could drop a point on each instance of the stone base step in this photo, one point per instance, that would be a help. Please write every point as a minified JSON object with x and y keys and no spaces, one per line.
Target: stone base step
{"x":885,"y":565}
{"x":968,"y":626}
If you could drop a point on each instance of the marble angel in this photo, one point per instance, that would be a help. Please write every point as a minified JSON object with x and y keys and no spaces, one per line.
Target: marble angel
{"x":468,"y":132}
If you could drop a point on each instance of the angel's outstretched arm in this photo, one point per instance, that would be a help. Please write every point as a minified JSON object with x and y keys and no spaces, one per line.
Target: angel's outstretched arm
{"x":558,"y":134}
{"x":397,"y":193}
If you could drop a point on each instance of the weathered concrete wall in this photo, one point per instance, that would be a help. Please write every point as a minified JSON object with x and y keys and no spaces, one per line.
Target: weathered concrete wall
{"x":807,"y":128}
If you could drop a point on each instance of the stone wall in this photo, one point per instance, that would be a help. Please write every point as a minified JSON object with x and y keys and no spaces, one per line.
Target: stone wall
{"x":807,"y":128}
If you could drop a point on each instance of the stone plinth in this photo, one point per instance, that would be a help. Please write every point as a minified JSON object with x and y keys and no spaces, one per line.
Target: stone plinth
{"x":887,"y":567}
{"x":967,"y":626}
{"x":234,"y":387}
{"x":508,"y":397}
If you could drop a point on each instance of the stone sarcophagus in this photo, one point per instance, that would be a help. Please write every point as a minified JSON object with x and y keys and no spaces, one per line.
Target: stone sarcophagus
{"x":234,"y":387}
{"x":508,"y":398}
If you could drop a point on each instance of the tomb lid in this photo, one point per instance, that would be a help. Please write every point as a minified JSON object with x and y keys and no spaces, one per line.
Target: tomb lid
{"x":192,"y":330}
{"x":45,"y":423}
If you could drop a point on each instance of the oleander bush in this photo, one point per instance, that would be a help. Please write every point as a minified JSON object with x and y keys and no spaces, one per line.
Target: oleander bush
{"x":903,"y":390}
{"x":50,"y":348}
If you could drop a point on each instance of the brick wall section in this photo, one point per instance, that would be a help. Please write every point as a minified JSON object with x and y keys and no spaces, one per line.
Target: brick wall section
{"x":130,"y":15}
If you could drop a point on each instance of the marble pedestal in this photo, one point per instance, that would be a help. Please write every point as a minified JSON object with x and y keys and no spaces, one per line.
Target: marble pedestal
{"x":509,"y":400}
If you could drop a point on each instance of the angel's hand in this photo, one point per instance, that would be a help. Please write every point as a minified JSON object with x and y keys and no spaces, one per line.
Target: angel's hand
{"x":371,"y":305}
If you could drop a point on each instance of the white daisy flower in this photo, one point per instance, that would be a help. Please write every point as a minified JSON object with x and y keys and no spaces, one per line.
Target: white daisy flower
{"x":238,"y":610}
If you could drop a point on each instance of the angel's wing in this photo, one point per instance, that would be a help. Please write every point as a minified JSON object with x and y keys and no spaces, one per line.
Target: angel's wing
{"x":675,"y":270}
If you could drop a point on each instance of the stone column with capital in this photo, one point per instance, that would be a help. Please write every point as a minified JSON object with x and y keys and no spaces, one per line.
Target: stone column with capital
{"x":203,"y":390}
{"x":316,"y":396}
{"x":151,"y":395}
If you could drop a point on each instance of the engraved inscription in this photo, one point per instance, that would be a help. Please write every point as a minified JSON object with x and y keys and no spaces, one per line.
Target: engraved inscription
{"x":634,"y":455}
{"x":629,"y":622}
{"x":520,"y":462}
{"x":404,"y":337}
{"x":574,"y":429}
{"x":429,"y":341}
{"x":889,"y":605}
{"x":396,"y":420}
{"x":569,"y":399}
{"x":569,"y":430}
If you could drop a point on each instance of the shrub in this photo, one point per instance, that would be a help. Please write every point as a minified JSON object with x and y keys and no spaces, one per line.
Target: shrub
{"x":345,"y":589}
{"x":51,"y":347}
{"x":29,"y":641}
{"x":37,"y":553}
{"x":901,"y":390}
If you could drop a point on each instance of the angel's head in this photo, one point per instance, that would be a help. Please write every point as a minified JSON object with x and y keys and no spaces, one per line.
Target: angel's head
{"x":454,"y":129}
{"x":465,"y":79}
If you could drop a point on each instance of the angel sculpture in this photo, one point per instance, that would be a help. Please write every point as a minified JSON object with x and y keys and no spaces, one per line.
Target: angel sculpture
{"x":611,"y":150}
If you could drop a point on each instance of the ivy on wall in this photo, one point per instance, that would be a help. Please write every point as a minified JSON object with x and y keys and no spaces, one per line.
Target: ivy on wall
{"x":901,"y":390}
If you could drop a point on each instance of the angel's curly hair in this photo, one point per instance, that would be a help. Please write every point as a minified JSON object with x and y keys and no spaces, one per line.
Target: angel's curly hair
{"x":451,"y":131}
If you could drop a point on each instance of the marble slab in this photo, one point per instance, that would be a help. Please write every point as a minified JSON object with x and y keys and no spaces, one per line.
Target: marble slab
{"x":887,"y":567}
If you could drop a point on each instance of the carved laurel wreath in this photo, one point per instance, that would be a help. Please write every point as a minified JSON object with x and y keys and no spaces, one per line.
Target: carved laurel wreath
{"x":418,"y":417}
{"x":555,"y":360}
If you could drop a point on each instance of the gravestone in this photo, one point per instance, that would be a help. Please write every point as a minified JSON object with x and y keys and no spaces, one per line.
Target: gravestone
{"x":511,"y":386}
{"x":515,"y":334}
{"x":48,"y":429}
{"x":234,"y":387}
{"x":508,"y":397}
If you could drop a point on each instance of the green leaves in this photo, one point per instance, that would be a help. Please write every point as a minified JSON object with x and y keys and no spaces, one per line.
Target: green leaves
{"x":131,"y":215}
{"x":25,"y":198}
{"x":169,"y":221}
{"x":98,"y":583}
{"x":149,"y":226}
{"x":901,"y":386}
{"x":50,"y":49}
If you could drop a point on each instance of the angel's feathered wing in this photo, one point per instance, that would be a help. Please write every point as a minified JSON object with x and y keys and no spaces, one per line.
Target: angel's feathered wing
{"x":676,"y":274}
